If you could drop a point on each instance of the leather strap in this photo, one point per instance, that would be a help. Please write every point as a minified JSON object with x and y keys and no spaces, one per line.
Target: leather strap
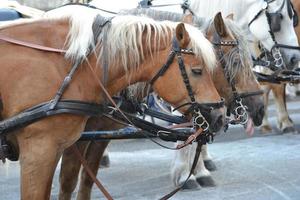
{"x":31,"y":45}
{"x":196,"y":158}
{"x":90,"y":173}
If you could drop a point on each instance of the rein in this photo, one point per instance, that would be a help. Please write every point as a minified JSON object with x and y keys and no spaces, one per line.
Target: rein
{"x":30,"y":45}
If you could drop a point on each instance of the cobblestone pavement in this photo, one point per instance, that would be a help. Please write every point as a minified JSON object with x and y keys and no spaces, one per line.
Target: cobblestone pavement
{"x":264,"y":167}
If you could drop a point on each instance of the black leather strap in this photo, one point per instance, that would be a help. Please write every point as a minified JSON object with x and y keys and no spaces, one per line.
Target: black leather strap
{"x":196,"y":158}
{"x":45,"y":109}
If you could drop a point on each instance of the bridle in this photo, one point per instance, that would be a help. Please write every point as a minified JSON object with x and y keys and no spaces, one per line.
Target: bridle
{"x":240,"y":110}
{"x":274,"y":20}
{"x":200,"y":111}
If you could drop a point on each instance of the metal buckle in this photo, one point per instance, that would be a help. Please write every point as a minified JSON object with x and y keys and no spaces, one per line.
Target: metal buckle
{"x":277,"y":58}
{"x":199,"y":121}
{"x":240,"y":112}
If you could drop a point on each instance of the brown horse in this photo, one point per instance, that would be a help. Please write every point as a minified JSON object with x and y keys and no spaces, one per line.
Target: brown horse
{"x":241,"y":73}
{"x":137,"y":47}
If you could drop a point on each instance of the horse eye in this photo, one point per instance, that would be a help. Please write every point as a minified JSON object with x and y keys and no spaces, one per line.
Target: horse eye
{"x":197,"y":71}
{"x":281,"y":16}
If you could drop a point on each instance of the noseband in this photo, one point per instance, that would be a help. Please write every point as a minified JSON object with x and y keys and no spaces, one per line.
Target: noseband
{"x":197,"y":109}
{"x":240,"y":110}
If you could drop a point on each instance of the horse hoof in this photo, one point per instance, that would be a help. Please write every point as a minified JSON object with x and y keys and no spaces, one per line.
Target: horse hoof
{"x":289,"y":130}
{"x":210,"y":165}
{"x":266,"y":129}
{"x":206,"y":181}
{"x":191,"y":185}
{"x":105,"y":162}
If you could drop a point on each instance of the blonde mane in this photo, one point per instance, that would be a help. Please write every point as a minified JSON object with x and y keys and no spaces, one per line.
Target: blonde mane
{"x":124,"y":37}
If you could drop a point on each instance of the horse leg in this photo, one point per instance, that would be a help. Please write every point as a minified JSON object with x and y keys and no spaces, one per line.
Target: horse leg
{"x":265,"y":127}
{"x":41,"y":145}
{"x":70,"y":167}
{"x":180,"y":168}
{"x":208,"y":163}
{"x":105,"y":162}
{"x":203,"y":176}
{"x":93,"y":156}
{"x":38,"y":159}
{"x":284,"y":122}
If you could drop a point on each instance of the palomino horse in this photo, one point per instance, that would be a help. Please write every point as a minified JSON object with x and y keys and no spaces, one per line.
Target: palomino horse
{"x":238,"y":64}
{"x":39,"y":71}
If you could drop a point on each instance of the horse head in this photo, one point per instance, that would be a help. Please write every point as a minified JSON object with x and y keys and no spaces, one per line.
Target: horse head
{"x":273,"y":26}
{"x":233,"y":77}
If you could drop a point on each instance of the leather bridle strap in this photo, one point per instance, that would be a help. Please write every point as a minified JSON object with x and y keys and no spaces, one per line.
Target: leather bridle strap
{"x":284,"y":46}
{"x":249,"y":94}
{"x":31,"y":45}
{"x":90,"y":173}
{"x":195,"y":162}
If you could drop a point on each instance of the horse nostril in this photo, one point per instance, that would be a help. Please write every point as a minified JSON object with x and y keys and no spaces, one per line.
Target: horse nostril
{"x":293,"y":61}
{"x":262,"y":111}
{"x":217,"y":122}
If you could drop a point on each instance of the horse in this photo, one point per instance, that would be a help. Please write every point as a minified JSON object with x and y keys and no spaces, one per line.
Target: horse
{"x":268,"y":22}
{"x":284,"y":122}
{"x":41,"y":67}
{"x":70,"y":165}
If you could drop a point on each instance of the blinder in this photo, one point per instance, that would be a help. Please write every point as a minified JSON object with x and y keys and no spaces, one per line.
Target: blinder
{"x":276,"y":17}
{"x":275,"y":21}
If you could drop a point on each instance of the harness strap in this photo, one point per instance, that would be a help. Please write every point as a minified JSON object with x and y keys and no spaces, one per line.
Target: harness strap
{"x":44,"y":110}
{"x":164,"y":116}
{"x":196,"y":158}
{"x":31,"y":45}
{"x":164,"y":68}
{"x":90,"y":173}
{"x":154,"y":129}
{"x":256,"y":16}
{"x":286,"y":46}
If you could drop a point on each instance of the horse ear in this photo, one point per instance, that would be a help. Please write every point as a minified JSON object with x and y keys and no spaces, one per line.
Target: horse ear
{"x":182,"y":36}
{"x":188,"y":19}
{"x":230,"y":16}
{"x":220,"y":25}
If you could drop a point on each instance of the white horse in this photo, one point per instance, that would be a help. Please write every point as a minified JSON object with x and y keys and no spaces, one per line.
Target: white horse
{"x":251,"y":16}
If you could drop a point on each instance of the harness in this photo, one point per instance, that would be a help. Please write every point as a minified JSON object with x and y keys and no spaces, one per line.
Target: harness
{"x":274,"y":19}
{"x":195,"y":108}
{"x":240,"y":110}
{"x":59,"y":106}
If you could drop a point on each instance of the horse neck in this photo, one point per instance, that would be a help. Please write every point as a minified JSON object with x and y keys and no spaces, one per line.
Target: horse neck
{"x":119,"y":78}
{"x":243,"y":11}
